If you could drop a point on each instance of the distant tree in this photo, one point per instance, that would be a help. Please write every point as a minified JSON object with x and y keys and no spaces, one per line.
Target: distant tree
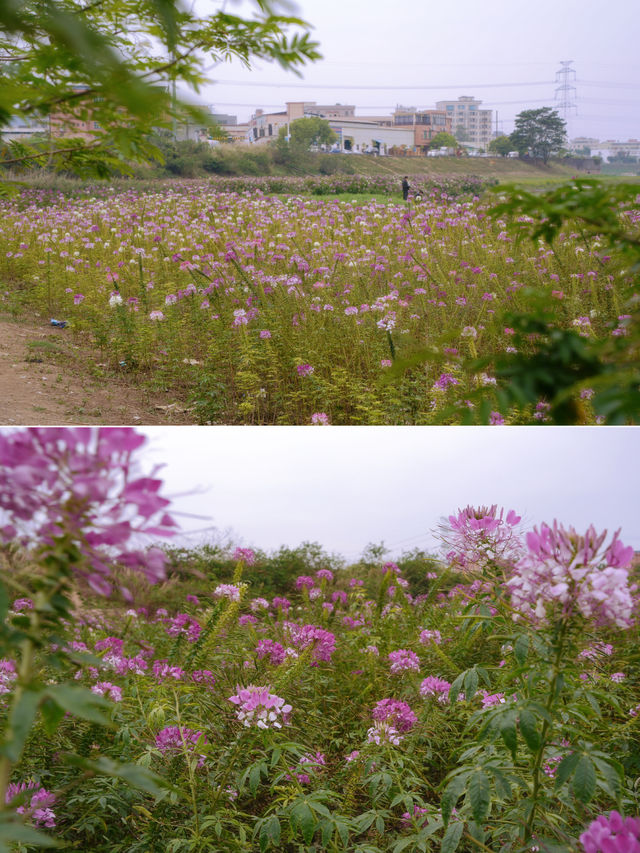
{"x":461,"y":133}
{"x":539,"y":132}
{"x":443,"y":140}
{"x":309,"y":131}
{"x":501,"y":145}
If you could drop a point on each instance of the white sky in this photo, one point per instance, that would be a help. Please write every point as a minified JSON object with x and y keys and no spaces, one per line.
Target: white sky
{"x":347,"y":486}
{"x":459,"y":47}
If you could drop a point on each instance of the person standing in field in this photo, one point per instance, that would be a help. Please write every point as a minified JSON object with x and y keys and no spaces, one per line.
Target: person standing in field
{"x":405,"y":188}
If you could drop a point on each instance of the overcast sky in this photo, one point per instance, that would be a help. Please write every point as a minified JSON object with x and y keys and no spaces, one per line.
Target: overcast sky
{"x":505,"y":52}
{"x":378,"y":54}
{"x":347,"y":486}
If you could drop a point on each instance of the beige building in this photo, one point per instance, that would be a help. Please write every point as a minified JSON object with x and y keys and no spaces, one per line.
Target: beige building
{"x":425,"y":123}
{"x":266,"y":126}
{"x":466,"y":115}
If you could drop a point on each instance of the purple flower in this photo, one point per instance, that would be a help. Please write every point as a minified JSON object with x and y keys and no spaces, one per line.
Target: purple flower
{"x":324,"y":575}
{"x":305,"y":370}
{"x":8,"y":675}
{"x":175,"y":739}
{"x":275,"y":651}
{"x":427,"y":637}
{"x":303,"y":636}
{"x":403,"y":660}
{"x":444,"y":380}
{"x":265,"y":334}
{"x":395,"y":712}
{"x":258,"y":707}
{"x":245,"y":555}
{"x":320,"y":419}
{"x":303,"y":581}
{"x":438,"y":687}
{"x":22,"y":604}
{"x":186,"y":625}
{"x":40,"y":802}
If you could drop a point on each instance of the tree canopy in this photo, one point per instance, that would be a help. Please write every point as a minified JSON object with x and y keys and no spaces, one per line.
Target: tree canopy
{"x":539,"y":132}
{"x":443,"y":140}
{"x":114,"y":63}
{"x":501,"y":145}
{"x":311,"y":130}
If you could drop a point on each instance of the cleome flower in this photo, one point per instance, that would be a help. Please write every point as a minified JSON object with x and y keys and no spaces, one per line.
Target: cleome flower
{"x":257,"y":707}
{"x":565,"y":573}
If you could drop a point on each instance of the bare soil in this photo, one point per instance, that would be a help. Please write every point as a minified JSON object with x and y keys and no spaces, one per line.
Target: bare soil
{"x":48,"y":378}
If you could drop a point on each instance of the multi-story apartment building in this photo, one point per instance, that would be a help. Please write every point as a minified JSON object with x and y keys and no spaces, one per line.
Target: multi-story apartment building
{"x":426,"y":124}
{"x":466,"y":115}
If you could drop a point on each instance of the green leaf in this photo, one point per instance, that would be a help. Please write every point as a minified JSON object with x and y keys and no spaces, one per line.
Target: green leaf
{"x":507,"y":727}
{"x":14,"y":831}
{"x":566,"y":768}
{"x":52,"y":715}
{"x":479,"y":795}
{"x":80,"y":702}
{"x":4,"y":603}
{"x":271,"y":830}
{"x":529,"y":731}
{"x":521,"y":648}
{"x":612,"y":776}
{"x":133,"y":774}
{"x":455,"y":688}
{"x":452,"y":794}
{"x":21,"y":718}
{"x":452,"y":837}
{"x":470,"y":684}
{"x":584,"y":780}
{"x":303,"y":818}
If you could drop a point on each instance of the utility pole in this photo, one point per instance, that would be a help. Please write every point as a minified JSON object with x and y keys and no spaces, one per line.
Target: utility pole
{"x":566,"y":91}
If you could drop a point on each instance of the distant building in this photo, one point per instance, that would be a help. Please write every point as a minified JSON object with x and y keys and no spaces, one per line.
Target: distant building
{"x":23,"y":129}
{"x":425,"y":123}
{"x":265,"y":126}
{"x":366,"y":137}
{"x":466,"y":114}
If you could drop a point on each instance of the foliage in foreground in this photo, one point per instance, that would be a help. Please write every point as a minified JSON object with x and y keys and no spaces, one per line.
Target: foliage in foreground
{"x":499,"y":713}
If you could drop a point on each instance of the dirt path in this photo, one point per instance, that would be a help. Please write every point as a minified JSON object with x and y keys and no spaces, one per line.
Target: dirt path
{"x":46,"y":378}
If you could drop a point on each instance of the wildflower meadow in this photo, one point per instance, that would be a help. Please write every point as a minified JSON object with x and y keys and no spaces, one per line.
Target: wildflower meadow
{"x":283,"y":301}
{"x":485,"y":698}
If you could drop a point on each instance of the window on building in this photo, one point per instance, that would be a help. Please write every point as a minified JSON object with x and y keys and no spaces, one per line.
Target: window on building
{"x":270,"y":130}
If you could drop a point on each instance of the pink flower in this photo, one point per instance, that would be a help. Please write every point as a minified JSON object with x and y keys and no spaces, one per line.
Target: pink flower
{"x":565,"y":573}
{"x":256,"y":706}
{"x":478,"y":536}
{"x":383,"y":733}
{"x":320,"y":419}
{"x":105,"y":688}
{"x":305,"y":370}
{"x":304,"y":581}
{"x":427,"y":637}
{"x":81,"y":483}
{"x":614,"y":834}
{"x":227,"y":590}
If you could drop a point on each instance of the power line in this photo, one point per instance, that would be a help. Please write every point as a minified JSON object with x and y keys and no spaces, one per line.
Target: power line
{"x":379,"y":87}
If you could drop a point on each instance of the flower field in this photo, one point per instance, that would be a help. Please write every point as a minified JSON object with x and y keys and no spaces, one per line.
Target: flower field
{"x":486,"y":699}
{"x":301,"y":308}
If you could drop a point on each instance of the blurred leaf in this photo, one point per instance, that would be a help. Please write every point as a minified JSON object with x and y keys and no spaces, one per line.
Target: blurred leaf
{"x":584,"y":779}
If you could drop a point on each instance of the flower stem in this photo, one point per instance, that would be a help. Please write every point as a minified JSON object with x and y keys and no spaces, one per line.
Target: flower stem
{"x":551,"y":698}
